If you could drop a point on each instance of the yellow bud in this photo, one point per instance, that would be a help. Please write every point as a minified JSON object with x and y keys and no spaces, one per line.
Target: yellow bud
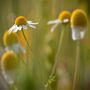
{"x":64,"y":15}
{"x":9,"y":60}
{"x":21,"y":20}
{"x":79,"y":19}
{"x":10,"y":39}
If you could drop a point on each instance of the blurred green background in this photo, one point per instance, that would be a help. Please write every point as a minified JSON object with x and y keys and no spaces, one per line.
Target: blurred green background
{"x":44,"y":43}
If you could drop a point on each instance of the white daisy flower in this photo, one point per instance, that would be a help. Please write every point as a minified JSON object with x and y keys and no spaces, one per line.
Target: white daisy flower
{"x":22,"y":23}
{"x":64,"y":18}
{"x":78,"y":24}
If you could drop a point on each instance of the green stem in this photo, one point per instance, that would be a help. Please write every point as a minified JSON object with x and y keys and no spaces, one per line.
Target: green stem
{"x":26,"y":39}
{"x":57,"y":54}
{"x":76,"y":63}
{"x":56,"y":57}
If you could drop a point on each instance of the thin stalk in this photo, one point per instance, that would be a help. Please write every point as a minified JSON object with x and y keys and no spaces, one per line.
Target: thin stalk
{"x":56,"y":57}
{"x":27,"y":58}
{"x":26,"y":39}
{"x":57,"y":54}
{"x":76,"y":63}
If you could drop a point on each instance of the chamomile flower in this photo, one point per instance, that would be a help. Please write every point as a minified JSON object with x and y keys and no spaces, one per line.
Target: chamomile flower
{"x":9,"y":39}
{"x":9,"y":63}
{"x":11,"y":42}
{"x":22,"y":23}
{"x":78,"y":24}
{"x":64,"y":18}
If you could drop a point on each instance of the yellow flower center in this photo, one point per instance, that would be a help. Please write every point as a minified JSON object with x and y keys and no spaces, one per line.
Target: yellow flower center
{"x":9,"y":60}
{"x":21,"y":20}
{"x":10,"y":39}
{"x":79,"y":18}
{"x":64,"y":15}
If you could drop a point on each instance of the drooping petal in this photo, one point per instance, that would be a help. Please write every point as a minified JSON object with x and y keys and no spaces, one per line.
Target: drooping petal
{"x":32,"y":26}
{"x":78,"y":33}
{"x":31,"y":23}
{"x":54,"y":27}
{"x":17,"y":28}
{"x":54,"y":21}
{"x":12,"y":28}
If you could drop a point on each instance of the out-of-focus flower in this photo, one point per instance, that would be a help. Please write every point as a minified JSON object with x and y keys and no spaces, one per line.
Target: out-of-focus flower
{"x":11,"y":42}
{"x":78,"y":24}
{"x":10,"y":39}
{"x":22,"y":23}
{"x":9,"y":60}
{"x":64,"y":18}
{"x":9,"y":63}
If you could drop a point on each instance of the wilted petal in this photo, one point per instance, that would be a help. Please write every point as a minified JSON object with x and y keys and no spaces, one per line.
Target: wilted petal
{"x":12,"y":28}
{"x":54,"y":27}
{"x":15,"y":30}
{"x":78,"y":33}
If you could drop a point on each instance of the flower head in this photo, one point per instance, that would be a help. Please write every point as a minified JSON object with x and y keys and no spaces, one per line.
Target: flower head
{"x":9,"y":65}
{"x":10,"y":39}
{"x":64,"y":18}
{"x":78,"y":24}
{"x":9,"y":60}
{"x":22,"y":23}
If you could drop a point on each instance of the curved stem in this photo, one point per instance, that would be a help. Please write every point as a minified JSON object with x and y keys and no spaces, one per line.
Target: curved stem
{"x":56,"y":59}
{"x":76,"y":63}
{"x":57,"y":54}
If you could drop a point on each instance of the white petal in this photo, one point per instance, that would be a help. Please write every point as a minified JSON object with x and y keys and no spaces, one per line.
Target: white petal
{"x":16,"y":29}
{"x":54,"y":21}
{"x":78,"y":33}
{"x":65,"y":20}
{"x":31,"y":23}
{"x":12,"y":28}
{"x":24,"y":26}
{"x":32,"y":26}
{"x":19,"y":28}
{"x":54,"y":27}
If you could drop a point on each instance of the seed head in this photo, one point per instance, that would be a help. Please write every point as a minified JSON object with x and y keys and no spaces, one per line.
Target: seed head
{"x":9,"y":60}
{"x":78,"y":24}
{"x":10,"y":39}
{"x":64,"y":15}
{"x":21,"y":20}
{"x":79,"y":19}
